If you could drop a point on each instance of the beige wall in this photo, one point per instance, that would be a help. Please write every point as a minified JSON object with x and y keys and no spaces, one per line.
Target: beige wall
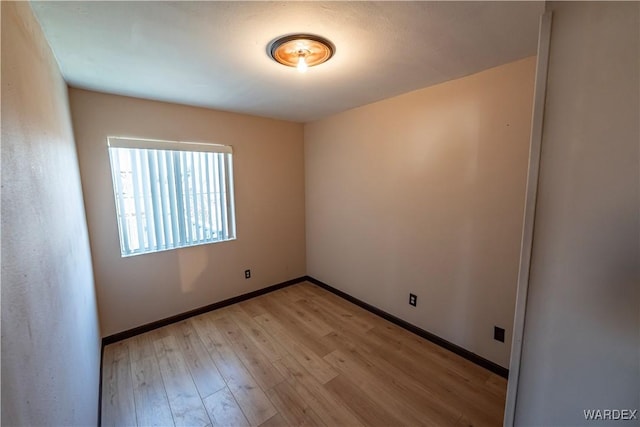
{"x":424,"y":193}
{"x":50,"y":331}
{"x":269,"y":196}
{"x":581,"y":345}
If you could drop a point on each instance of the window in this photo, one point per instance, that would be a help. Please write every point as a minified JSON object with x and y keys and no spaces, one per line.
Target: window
{"x":171,"y":194}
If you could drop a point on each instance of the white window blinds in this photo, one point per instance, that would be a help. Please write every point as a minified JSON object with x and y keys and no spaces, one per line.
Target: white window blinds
{"x":171,"y":194}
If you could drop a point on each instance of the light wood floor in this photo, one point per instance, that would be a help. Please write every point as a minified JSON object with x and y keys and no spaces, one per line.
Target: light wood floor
{"x":297,"y":356}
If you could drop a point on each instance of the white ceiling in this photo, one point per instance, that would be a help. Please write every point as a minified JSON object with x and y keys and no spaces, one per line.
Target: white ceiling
{"x":213,"y":54}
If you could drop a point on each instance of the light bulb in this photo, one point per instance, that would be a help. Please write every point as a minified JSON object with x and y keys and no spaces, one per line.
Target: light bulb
{"x":302,"y":64}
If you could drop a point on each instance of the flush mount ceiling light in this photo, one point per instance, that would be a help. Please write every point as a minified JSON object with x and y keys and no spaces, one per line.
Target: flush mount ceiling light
{"x":301,"y":51}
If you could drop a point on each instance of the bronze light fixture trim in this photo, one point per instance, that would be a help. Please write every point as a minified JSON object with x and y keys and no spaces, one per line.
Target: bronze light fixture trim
{"x":301,"y":50}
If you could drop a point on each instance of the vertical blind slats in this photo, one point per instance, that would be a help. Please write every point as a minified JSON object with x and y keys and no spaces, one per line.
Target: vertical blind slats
{"x":171,"y":181}
{"x":155,"y":200}
{"x":187,"y":196}
{"x":164,"y":199}
{"x":221,"y":199}
{"x":210,"y":202}
{"x":177,"y":174}
{"x":196,"y":214}
{"x":216,"y":192}
{"x":206,"y":229}
{"x":117,"y":184}
{"x":149,"y":223}
{"x":137,"y":195}
{"x":167,"y":199}
{"x":230,"y":205}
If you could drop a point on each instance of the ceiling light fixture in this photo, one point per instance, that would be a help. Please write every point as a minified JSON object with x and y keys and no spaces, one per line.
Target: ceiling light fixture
{"x":301,"y":50}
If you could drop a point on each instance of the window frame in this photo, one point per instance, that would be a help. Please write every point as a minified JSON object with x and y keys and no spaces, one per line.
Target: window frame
{"x":224,"y":181}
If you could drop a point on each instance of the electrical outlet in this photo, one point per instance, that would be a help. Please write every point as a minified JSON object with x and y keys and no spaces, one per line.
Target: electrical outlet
{"x":247,"y":274}
{"x":413,"y":300}
{"x":498,"y":334}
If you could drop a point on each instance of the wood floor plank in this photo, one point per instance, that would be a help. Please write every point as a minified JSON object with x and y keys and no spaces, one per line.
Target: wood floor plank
{"x":255,"y":405}
{"x":275,"y":421}
{"x":404,"y":339}
{"x":307,"y":289}
{"x":421,"y":367}
{"x":368,"y":411}
{"x":443,"y":396}
{"x":152,"y":405}
{"x":314,"y":324}
{"x":288,"y":294}
{"x":294,"y":410}
{"x":256,"y":363}
{"x":446,"y":381}
{"x":118,"y":405}
{"x":299,"y":351}
{"x":332,"y":411}
{"x":298,"y":331}
{"x":497,"y":386}
{"x":141,"y":346}
{"x":184,"y":400}
{"x":353,"y":308}
{"x":315,"y":308}
{"x":383,"y":396}
{"x":267,"y":345}
{"x":210,"y":337}
{"x":202,"y":368}
{"x":253,"y":307}
{"x":434,"y":402}
{"x":224,"y":410}
{"x":343,"y":310}
{"x":346,"y":339}
{"x":311,"y":289}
